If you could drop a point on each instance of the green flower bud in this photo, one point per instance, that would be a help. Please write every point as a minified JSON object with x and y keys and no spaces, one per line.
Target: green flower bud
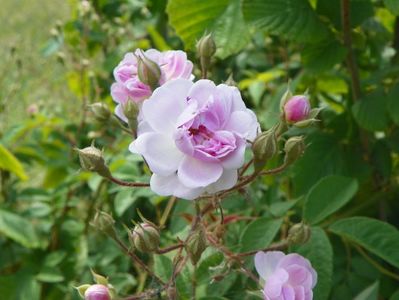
{"x":294,"y":148}
{"x":145,"y":237}
{"x":148,"y":71}
{"x":264,"y":148}
{"x":196,"y":245}
{"x":131,"y":111}
{"x":206,"y":46}
{"x":105,"y":223}
{"x":92,"y":159}
{"x":82,"y":289}
{"x":100,"y":111}
{"x":298,"y":234}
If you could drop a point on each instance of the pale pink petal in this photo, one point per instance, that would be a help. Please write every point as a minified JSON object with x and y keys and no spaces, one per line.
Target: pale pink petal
{"x":243,"y":123}
{"x":225,"y":182}
{"x":159,"y":151}
{"x":288,"y":293}
{"x":266,"y":262}
{"x":233,"y":94}
{"x":202,"y":91}
{"x":235,"y":159}
{"x":194,"y":173}
{"x":274,"y":285}
{"x":170,"y":185}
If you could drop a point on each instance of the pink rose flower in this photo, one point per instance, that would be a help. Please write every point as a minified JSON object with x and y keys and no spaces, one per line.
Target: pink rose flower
{"x":287,"y":277}
{"x":193,"y":137}
{"x":97,"y":292}
{"x":297,"y":109}
{"x":173,"y":64}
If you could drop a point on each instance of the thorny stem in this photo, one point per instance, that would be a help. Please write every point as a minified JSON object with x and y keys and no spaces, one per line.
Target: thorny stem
{"x":127,"y":183}
{"x":170,"y":248}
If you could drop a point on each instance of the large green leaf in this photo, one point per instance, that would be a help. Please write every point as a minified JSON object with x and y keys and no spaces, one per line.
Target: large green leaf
{"x":393,"y":6}
{"x":327,"y":196}
{"x":319,"y":251}
{"x":163,"y":266}
{"x":191,"y":19}
{"x":259,"y":234}
{"x":376,"y":236}
{"x":294,"y":19}
{"x":370,"y":112}
{"x":18,"y":229}
{"x":10,"y":163}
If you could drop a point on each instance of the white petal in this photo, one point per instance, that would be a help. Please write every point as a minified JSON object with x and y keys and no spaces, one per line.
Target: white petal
{"x":159,"y":151}
{"x":234,"y":95}
{"x":266,"y":262}
{"x":201,"y":91}
{"x":235,"y":159}
{"x":243,"y":123}
{"x":225,"y":182}
{"x":170,"y":185}
{"x":195,"y":173}
{"x":165,"y":105}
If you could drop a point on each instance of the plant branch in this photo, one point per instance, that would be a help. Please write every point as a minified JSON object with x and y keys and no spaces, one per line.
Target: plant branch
{"x":127,"y":183}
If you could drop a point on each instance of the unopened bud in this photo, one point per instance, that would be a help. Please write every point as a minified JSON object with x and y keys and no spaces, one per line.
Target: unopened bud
{"x":145,"y":237}
{"x":100,"y":111}
{"x":97,"y":292}
{"x":264,"y":148}
{"x":148,"y":71}
{"x":299,"y":234}
{"x":206,"y":46}
{"x":92,"y":159}
{"x":105,"y":223}
{"x":297,"y":109}
{"x":294,"y":148}
{"x":131,"y":111}
{"x":196,"y":245}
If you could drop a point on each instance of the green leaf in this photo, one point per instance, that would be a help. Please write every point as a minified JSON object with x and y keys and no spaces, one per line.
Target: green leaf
{"x":10,"y":163}
{"x":323,"y":56}
{"x":370,"y":112}
{"x":327,"y":196}
{"x":18,"y":229}
{"x":319,"y":251}
{"x":259,"y":234}
{"x":393,"y":6}
{"x":48,"y":274}
{"x":376,"y":236}
{"x":123,"y":200}
{"x":294,"y":19}
{"x":163,"y":266}
{"x":393,"y":103}
{"x":370,"y":293}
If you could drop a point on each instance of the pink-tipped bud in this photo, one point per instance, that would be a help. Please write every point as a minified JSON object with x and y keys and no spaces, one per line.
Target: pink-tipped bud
{"x":97,"y":292}
{"x":297,"y":109}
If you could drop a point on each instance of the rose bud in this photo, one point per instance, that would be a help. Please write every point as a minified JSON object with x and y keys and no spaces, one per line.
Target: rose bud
{"x":145,"y":237}
{"x":297,"y":109}
{"x":100,"y":111}
{"x":97,"y":292}
{"x":196,"y":245}
{"x":264,"y":148}
{"x":298,"y":234}
{"x":92,"y":159}
{"x":294,"y":148}
{"x":206,"y":46}
{"x":105,"y":223}
{"x":148,"y":71}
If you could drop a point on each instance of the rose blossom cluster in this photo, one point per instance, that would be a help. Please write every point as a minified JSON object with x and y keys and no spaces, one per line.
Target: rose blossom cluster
{"x":192,"y":135}
{"x":287,"y":277}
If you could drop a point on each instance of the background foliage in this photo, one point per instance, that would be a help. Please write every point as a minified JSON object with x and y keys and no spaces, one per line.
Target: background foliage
{"x":345,"y":186}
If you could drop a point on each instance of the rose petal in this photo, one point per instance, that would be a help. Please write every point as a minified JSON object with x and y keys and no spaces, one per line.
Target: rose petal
{"x":194,"y":173}
{"x":159,"y":151}
{"x":170,"y":185}
{"x":274,"y":285}
{"x":243,"y":123}
{"x":235,"y":159}
{"x":201,"y":91}
{"x":226,"y":181}
{"x":266,"y":262}
{"x":288,"y":293}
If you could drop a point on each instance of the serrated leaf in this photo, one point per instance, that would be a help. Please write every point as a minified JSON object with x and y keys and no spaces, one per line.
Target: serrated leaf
{"x":319,"y":251}
{"x":294,"y":19}
{"x":370,"y":112}
{"x":259,"y":234}
{"x":376,"y":236}
{"x":393,"y":6}
{"x":370,"y":293}
{"x":327,"y":196}
{"x":18,"y":229}
{"x":163,"y":266}
{"x":10,"y":163}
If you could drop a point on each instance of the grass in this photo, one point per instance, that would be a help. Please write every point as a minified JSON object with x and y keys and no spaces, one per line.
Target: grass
{"x":26,"y":75}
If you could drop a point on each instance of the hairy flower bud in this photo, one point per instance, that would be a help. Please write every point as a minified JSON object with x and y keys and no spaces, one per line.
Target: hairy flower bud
{"x":297,"y":109}
{"x":298,"y":234}
{"x":131,"y":111}
{"x":100,"y":111}
{"x":105,"y":223}
{"x":97,"y":292}
{"x":145,"y":237}
{"x":264,"y":148}
{"x":92,"y":159}
{"x":294,"y":148}
{"x":206,"y":46}
{"x":196,"y":245}
{"x":148,"y":71}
